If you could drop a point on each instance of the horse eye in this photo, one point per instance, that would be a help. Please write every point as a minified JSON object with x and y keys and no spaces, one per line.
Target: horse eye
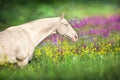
{"x":66,"y":24}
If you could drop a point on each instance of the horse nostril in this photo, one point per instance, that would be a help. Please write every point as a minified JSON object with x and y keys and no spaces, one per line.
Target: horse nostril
{"x":76,"y":37}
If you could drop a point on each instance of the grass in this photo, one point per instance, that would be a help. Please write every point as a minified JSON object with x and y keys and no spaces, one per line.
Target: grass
{"x":49,"y":63}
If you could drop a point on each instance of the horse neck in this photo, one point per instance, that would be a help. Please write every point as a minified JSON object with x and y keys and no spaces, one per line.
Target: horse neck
{"x":38,"y":30}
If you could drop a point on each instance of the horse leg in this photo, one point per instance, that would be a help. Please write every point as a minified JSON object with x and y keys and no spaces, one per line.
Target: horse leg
{"x":22,"y":63}
{"x":22,"y":58}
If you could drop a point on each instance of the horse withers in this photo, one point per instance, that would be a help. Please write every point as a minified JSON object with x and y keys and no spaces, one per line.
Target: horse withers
{"x":17,"y":43}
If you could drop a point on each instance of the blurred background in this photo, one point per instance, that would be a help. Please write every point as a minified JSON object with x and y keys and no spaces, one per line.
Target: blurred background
{"x":15,"y":12}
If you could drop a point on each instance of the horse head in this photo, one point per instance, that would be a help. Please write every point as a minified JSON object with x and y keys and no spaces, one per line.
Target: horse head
{"x":66,"y":29}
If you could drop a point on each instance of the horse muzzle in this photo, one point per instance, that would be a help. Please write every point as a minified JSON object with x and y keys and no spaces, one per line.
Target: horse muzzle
{"x":74,"y":39}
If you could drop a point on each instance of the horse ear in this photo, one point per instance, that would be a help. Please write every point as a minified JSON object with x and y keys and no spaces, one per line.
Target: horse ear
{"x":62,"y":16}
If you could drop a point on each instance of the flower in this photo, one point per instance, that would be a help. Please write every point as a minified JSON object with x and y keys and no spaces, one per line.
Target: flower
{"x":114,"y":19}
{"x":54,"y":38}
{"x":78,"y":23}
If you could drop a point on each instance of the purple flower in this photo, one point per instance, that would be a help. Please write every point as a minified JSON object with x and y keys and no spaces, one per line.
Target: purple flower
{"x":115,"y":27}
{"x":78,"y":23}
{"x":53,"y":38}
{"x":114,"y":19}
{"x":104,"y":32}
{"x":94,"y":31}
{"x":92,"y":21}
{"x":96,"y":21}
{"x":75,"y":23}
{"x":82,"y":23}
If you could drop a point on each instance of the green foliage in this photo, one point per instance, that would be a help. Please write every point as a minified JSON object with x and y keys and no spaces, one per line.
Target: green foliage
{"x":20,"y":11}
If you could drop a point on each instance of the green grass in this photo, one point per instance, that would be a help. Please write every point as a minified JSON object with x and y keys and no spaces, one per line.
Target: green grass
{"x":100,"y":68}
{"x":88,"y":64}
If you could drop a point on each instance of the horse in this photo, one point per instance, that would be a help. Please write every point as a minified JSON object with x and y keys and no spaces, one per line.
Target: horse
{"x":17,"y":43}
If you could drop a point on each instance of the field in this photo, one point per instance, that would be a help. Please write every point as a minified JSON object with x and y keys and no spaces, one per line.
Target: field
{"x":95,"y":56}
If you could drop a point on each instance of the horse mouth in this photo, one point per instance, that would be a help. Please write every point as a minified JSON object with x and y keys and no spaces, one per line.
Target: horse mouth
{"x":73,"y":39}
{"x":70,"y":38}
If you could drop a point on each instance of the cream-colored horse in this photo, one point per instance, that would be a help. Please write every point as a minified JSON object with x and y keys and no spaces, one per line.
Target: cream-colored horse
{"x":17,"y":43}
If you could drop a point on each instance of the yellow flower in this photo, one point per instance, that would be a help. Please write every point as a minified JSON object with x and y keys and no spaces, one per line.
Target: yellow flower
{"x":109,"y":45}
{"x":117,"y":49}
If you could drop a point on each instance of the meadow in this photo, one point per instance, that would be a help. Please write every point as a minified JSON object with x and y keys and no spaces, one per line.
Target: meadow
{"x":95,"y":56}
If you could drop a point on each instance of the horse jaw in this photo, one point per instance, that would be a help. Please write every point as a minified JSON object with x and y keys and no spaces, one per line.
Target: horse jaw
{"x":72,"y":36}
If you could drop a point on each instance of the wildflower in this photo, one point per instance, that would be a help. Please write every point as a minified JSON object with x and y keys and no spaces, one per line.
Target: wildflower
{"x":114,"y":19}
{"x":105,"y":33}
{"x":54,"y":39}
{"x":117,"y":49}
